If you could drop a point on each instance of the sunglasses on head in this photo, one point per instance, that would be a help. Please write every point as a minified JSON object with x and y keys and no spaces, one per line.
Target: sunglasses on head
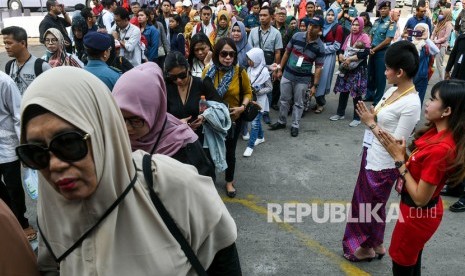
{"x":224,"y":54}
{"x":69,"y":147}
{"x":180,"y":76}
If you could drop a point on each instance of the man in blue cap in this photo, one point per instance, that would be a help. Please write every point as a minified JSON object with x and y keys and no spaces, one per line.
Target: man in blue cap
{"x":303,"y":51}
{"x":98,"y":47}
{"x":382,"y":33}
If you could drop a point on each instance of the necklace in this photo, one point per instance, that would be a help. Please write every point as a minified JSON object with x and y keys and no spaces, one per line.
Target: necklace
{"x":184,"y":101}
{"x":385,"y":103}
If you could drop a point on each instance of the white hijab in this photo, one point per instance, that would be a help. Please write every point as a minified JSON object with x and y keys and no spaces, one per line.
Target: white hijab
{"x":132,"y":240}
{"x":258,"y":73}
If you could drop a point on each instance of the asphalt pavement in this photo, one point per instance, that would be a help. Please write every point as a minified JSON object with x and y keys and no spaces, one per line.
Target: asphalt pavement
{"x":319,"y":166}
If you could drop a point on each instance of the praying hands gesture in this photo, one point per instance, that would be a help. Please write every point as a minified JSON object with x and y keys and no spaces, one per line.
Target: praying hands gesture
{"x":367,"y":116}
{"x":396,"y":148}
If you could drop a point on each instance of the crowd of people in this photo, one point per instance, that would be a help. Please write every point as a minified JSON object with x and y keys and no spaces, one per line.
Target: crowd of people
{"x":159,"y":93}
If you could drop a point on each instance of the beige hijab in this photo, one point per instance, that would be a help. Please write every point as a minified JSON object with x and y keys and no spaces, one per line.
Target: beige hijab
{"x":132,"y":240}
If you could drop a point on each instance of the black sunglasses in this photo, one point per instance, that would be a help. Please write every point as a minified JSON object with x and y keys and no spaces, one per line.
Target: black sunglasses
{"x":68,"y":146}
{"x":224,"y":54}
{"x":181,"y":76}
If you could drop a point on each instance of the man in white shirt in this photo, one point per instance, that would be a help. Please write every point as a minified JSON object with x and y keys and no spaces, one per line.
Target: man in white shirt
{"x":128,"y":37}
{"x":205,"y":26}
{"x":107,"y":14}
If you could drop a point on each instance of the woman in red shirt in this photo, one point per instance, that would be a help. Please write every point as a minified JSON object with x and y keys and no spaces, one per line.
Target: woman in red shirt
{"x":438,"y":154}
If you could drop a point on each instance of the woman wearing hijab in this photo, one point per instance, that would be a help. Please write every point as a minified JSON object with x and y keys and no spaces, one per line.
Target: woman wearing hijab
{"x":353,"y":82}
{"x":226,"y":77}
{"x":223,"y":22}
{"x":440,"y":36}
{"x":56,"y":54}
{"x":291,"y":29}
{"x":332,"y":38}
{"x":239,"y":35}
{"x":141,"y":95}
{"x":95,"y":203}
{"x":261,"y":85}
{"x":79,"y":29}
{"x":427,"y":50}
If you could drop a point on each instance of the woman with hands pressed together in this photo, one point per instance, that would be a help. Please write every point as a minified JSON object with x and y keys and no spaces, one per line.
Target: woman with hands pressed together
{"x":438,"y":155}
{"x":397,"y":113}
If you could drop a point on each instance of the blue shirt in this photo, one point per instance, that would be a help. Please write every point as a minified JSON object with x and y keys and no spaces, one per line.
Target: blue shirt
{"x":413,"y":21}
{"x":251,"y":21}
{"x":153,"y":38}
{"x":102,"y":71}
{"x":382,"y":28}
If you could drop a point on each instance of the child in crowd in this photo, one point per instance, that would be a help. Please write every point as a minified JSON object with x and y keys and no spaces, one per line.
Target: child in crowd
{"x":359,"y":47}
{"x":261,"y":85}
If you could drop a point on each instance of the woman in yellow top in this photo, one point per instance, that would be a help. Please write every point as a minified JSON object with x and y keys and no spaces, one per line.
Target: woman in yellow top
{"x":224,"y":75}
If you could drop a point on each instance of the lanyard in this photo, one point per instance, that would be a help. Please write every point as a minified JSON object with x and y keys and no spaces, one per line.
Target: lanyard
{"x":260,"y":38}
{"x":20,"y":68}
{"x":384,"y":104}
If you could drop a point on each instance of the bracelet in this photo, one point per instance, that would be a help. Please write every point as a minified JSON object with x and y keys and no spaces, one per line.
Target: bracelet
{"x":404,"y":173}
{"x":372,"y":126}
{"x":244,"y":106}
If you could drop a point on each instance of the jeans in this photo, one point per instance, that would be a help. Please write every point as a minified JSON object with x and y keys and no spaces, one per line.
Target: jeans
{"x":231,"y":143}
{"x":341,"y":107}
{"x":12,"y":187}
{"x":256,"y":131}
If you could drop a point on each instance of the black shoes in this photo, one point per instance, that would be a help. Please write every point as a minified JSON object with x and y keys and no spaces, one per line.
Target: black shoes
{"x":276,"y":126}
{"x":458,"y":207}
{"x":294,"y":131}
{"x":455,"y":192}
{"x":275,"y":107}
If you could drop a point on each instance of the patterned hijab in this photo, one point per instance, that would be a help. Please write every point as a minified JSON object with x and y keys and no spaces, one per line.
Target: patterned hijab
{"x":60,"y":57}
{"x":142,"y":92}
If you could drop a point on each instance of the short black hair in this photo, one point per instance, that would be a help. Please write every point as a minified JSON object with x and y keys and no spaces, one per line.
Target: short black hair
{"x":135,"y":4}
{"x":270,"y":10}
{"x":421,"y":4}
{"x":122,"y":13}
{"x":255,"y":3}
{"x":19,"y":34}
{"x":168,"y":1}
{"x":108,"y":3}
{"x":86,"y":13}
{"x":403,"y":55}
{"x":310,"y":3}
{"x":49,"y":4}
{"x":207,"y":8}
{"x":79,"y":7}
{"x":94,"y":53}
{"x":219,"y":46}
{"x":175,"y":59}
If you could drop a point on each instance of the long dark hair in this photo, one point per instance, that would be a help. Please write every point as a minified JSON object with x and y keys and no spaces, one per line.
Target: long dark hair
{"x":219,"y":46}
{"x":452,"y":95}
{"x":147,"y":14}
{"x":175,"y":59}
{"x":367,"y":15}
{"x":178,"y":29}
{"x":197,"y":38}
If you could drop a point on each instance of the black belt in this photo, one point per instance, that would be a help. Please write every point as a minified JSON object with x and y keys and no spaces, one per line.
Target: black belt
{"x":407,"y":199}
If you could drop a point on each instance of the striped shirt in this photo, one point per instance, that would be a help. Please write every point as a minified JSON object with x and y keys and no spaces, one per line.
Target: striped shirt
{"x":312,"y":53}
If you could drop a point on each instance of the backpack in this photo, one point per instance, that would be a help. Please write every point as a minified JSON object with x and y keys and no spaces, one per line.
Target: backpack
{"x":37,"y":66}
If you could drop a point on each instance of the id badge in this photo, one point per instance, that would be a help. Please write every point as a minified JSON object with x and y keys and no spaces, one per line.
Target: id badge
{"x":299,"y":62}
{"x":399,"y":185}
{"x":368,"y":138}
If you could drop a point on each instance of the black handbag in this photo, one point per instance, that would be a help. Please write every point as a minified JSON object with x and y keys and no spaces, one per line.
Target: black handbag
{"x":251,"y":109}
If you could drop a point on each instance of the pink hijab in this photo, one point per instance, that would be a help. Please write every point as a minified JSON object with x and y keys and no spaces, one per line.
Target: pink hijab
{"x":142,"y":92}
{"x":360,"y":36}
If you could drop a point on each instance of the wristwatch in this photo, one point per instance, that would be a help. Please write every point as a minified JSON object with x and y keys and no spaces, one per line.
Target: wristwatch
{"x":316,"y":85}
{"x":278,"y":67}
{"x":399,"y":164}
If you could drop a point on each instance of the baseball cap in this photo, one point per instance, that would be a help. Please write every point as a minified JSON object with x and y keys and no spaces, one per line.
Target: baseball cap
{"x":317,"y":21}
{"x":186,"y":3}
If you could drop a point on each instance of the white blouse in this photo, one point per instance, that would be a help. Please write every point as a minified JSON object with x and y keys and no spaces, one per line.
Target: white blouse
{"x":398,"y":119}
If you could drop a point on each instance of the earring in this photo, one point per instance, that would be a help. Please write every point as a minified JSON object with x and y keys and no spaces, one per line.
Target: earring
{"x":442,"y":116}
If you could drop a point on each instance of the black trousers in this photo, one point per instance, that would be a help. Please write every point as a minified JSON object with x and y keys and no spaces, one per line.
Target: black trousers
{"x":231,"y":143}
{"x":226,"y":263}
{"x":11,"y":190}
{"x":276,"y":93}
{"x":413,"y":270}
{"x":341,"y":107}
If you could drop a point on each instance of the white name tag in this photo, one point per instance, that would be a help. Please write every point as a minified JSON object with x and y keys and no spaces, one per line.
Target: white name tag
{"x":368,"y":138}
{"x":299,"y":62}
{"x":460,"y":59}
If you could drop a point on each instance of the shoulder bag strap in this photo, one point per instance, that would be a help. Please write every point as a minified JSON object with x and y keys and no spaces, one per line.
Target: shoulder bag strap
{"x":168,"y":220}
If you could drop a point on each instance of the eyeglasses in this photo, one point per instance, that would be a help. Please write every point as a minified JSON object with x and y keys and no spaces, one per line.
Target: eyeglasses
{"x":180,"y":76}
{"x":51,"y":40}
{"x":224,"y":54}
{"x":134,"y":122}
{"x":68,"y":146}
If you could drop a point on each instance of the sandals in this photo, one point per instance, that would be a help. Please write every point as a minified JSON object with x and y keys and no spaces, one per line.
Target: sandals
{"x":231,"y":194}
{"x":319,"y":109}
{"x":31,"y":233}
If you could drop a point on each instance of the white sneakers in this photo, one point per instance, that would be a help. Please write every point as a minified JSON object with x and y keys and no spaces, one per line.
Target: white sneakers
{"x":248,"y":152}
{"x":336,"y":118}
{"x":354,"y":123}
{"x":258,"y":141}
{"x":246,"y":137}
